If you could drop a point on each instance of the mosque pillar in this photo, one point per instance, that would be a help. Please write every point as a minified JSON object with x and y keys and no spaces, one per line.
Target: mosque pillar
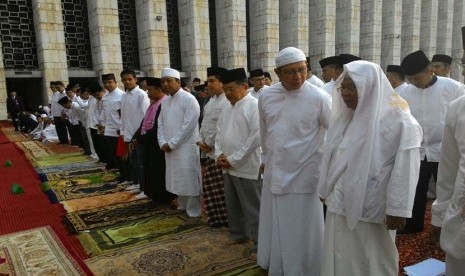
{"x":152,"y":31}
{"x":264,"y":34}
{"x":370,"y":30}
{"x":293,"y":24}
{"x":231,"y":33}
{"x":457,"y":48}
{"x":444,"y":29}
{"x":348,"y":27}
{"x":3,"y":92}
{"x":51,"y":47}
{"x":429,"y":26}
{"x":195,"y":37}
{"x":105,"y":36}
{"x":411,"y":19}
{"x":322,"y":32}
{"x":391,"y":33}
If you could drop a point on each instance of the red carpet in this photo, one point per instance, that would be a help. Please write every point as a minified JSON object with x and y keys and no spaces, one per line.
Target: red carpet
{"x":415,"y":248}
{"x":32,"y":208}
{"x":3,"y":138}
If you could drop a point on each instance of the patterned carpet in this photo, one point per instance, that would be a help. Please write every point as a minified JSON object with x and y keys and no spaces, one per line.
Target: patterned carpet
{"x":35,"y":252}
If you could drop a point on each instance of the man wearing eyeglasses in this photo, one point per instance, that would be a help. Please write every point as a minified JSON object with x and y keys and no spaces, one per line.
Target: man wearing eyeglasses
{"x":293,"y":117}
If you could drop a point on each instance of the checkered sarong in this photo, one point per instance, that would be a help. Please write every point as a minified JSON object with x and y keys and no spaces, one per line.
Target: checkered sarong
{"x":213,"y":194}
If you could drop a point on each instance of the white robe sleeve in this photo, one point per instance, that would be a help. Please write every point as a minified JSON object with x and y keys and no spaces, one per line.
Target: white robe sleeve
{"x":447,"y":172}
{"x":325,"y":112}
{"x":218,"y":148}
{"x":190,"y":122}
{"x":160,"y":129}
{"x":403,"y":183}
{"x":263,"y":129}
{"x":251,"y":144}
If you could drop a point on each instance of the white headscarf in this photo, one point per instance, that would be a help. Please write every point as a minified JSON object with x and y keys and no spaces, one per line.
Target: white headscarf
{"x":359,"y":134}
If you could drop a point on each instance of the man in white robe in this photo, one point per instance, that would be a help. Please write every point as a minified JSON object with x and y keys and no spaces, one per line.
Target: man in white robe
{"x":178,"y":132}
{"x":368,"y":173}
{"x":293,"y":117}
{"x":428,"y":97}
{"x":237,"y":149}
{"x":36,"y":132}
{"x":442,"y":65}
{"x":396,"y":77}
{"x":311,"y":78}
{"x":448,"y":211}
{"x":257,"y":79}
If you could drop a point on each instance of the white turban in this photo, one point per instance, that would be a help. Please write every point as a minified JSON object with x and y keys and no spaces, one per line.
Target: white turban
{"x":289,"y":55}
{"x":169,"y":72}
{"x":43,"y":115}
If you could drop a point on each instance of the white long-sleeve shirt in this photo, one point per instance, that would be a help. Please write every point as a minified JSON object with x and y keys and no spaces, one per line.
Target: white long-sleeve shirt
{"x":238,"y":137}
{"x":56,"y":107}
{"x":134,"y":104}
{"x":316,"y":81}
{"x":328,"y":87}
{"x":429,"y":107}
{"x":254,"y":93}
{"x":74,"y":113}
{"x":93,"y":112}
{"x":448,"y":209}
{"x":110,"y":118}
{"x":211,"y":114}
{"x":292,"y":130}
{"x":401,"y":87}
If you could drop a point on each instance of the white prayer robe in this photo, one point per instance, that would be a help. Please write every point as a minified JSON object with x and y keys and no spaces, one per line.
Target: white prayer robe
{"x":369,"y":170}
{"x":110,"y":118}
{"x":238,"y":137}
{"x":328,"y":87}
{"x":211,"y":114}
{"x":429,"y":107}
{"x":399,"y":89}
{"x":254,"y":93}
{"x":316,"y":81}
{"x":178,"y":126}
{"x":134,"y":104}
{"x":292,"y":129}
{"x":56,"y":107}
{"x":50,"y":134}
{"x":35,"y":133}
{"x":448,"y":209}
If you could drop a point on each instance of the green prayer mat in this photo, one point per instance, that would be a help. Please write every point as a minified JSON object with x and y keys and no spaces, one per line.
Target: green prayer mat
{"x":94,"y":171}
{"x":88,"y":190}
{"x":114,"y":214}
{"x":98,"y":241}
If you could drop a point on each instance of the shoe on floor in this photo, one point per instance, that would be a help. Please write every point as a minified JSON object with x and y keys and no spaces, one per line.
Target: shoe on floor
{"x":132,"y":187}
{"x":141,"y":195}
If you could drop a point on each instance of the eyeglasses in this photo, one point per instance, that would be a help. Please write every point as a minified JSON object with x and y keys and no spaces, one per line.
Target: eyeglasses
{"x":292,"y":72}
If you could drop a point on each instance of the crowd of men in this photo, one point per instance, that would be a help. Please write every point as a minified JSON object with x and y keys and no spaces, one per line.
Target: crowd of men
{"x":316,"y":176}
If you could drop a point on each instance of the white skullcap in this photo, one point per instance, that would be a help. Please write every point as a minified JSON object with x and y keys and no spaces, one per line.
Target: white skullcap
{"x":43,"y":115}
{"x":40,"y":106}
{"x":289,"y":55}
{"x":169,"y":72}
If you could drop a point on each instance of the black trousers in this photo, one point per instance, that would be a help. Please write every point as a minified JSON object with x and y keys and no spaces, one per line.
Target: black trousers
{"x":85,"y":140}
{"x":15,"y":119}
{"x":110,"y":152}
{"x":61,"y":129}
{"x":416,"y":223}
{"x":99,"y":145}
{"x":75,"y":134}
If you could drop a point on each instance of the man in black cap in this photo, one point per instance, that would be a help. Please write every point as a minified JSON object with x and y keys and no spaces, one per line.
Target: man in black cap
{"x":237,"y":148}
{"x":428,"y":97}
{"x":312,"y":78}
{"x":94,"y":113}
{"x":257,"y":79}
{"x":332,"y":69}
{"x":441,"y":65}
{"x":396,"y":76}
{"x":57,"y":112}
{"x":109,"y":123}
{"x":154,"y":185}
{"x":268,"y":79}
{"x":212,"y":184}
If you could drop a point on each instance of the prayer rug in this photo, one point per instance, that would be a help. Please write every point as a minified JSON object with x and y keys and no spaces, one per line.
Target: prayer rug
{"x":61,"y":159}
{"x":34,"y":149}
{"x":35,"y":252}
{"x":71,"y":167}
{"x":99,"y":241}
{"x":200,"y":252}
{"x":95,"y":172}
{"x":14,"y":136}
{"x":60,"y":148}
{"x":114,"y":214}
{"x":87,"y":203}
{"x":88,"y":190}
{"x":67,"y":182}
